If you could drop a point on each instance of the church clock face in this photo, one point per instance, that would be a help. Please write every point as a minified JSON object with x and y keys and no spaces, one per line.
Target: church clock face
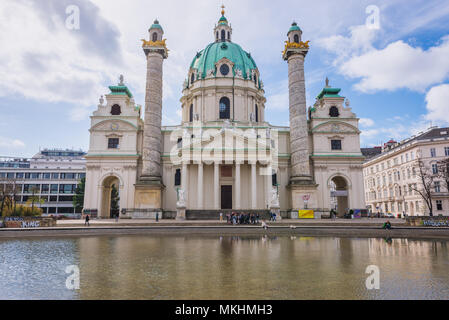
{"x":224,"y":69}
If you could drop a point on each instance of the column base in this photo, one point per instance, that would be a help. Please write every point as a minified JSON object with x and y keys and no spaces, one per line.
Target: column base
{"x":301,"y":180}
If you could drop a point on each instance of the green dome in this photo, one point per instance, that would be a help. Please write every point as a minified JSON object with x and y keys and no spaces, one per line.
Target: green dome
{"x":156,"y":25}
{"x":206,"y":59}
{"x":294,"y":27}
{"x":223,"y":20}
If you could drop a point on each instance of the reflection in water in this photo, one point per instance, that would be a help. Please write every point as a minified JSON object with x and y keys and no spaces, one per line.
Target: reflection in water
{"x":223,"y":267}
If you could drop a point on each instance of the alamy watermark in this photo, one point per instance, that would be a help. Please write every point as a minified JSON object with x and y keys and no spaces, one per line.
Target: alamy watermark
{"x":73,"y":280}
{"x":373,"y":19}
{"x":72,"y":22}
{"x":373,"y":280}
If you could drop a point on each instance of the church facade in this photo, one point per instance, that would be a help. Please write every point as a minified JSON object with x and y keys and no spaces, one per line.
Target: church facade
{"x":224,"y":155}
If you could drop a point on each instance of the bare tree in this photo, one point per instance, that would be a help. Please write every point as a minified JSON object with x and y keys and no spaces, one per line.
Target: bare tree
{"x":8,"y":193}
{"x":443,"y":172}
{"x":426,"y":182}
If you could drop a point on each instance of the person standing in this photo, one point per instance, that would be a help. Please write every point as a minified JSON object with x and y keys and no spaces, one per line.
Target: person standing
{"x":221,"y":216}
{"x":86,"y":222}
{"x":264,"y":225}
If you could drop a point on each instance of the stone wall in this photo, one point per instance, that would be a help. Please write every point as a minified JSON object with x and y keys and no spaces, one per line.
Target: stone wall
{"x":422,"y":221}
{"x":28,"y":222}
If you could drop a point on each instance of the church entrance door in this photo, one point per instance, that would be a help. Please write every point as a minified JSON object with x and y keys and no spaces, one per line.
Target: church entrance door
{"x":226,"y":197}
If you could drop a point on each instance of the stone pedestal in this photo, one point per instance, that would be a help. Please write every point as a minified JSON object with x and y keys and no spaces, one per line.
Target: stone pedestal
{"x":148,"y":200}
{"x":181,"y":213}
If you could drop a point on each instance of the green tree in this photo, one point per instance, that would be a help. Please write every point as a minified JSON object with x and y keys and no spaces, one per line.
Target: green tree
{"x":115,"y":206}
{"x":78,"y":198}
{"x":34,"y":198}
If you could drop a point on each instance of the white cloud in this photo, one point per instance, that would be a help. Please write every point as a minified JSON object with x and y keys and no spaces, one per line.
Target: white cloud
{"x":437,"y":100}
{"x":366,"y":122}
{"x":358,"y":42}
{"x":48,"y":62}
{"x":399,"y":66}
{"x":11,"y":143}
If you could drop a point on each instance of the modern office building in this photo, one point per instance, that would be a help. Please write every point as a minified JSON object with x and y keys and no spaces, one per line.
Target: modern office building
{"x":391,"y":174}
{"x":51,"y":174}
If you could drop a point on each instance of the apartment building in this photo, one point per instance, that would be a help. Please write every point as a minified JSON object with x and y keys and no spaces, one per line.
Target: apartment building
{"x":391,"y":174}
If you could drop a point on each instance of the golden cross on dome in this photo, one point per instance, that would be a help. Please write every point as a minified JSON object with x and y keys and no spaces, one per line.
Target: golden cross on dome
{"x":222,"y":10}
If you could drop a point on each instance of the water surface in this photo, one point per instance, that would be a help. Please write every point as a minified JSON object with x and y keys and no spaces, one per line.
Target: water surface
{"x":214,"y":267}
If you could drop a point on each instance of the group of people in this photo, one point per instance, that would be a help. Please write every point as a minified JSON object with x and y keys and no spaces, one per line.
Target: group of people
{"x":242,"y":218}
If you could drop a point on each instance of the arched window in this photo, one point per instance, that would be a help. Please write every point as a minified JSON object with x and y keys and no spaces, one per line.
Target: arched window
{"x":223,"y":35}
{"x":333,"y":112}
{"x":229,"y":35}
{"x":192,"y":78}
{"x":216,"y":36}
{"x":257,"y":113}
{"x":116,"y":110}
{"x":191,"y":113}
{"x":154,"y":37}
{"x":225,"y":108}
{"x":296,"y":38}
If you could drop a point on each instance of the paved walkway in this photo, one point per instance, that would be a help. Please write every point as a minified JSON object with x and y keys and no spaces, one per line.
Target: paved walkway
{"x":144,"y":222}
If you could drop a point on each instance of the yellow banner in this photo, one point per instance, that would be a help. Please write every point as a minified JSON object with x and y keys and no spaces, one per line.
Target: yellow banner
{"x":306,"y":214}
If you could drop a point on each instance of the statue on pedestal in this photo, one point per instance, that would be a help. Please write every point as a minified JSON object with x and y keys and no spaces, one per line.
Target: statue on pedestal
{"x":181,"y":203}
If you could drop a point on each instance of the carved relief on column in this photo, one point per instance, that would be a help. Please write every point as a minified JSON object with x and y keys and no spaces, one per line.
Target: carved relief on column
{"x":152,"y":139}
{"x":298,"y":116}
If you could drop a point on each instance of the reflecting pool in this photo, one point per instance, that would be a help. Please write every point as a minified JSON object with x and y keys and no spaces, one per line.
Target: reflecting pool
{"x":226,"y":267}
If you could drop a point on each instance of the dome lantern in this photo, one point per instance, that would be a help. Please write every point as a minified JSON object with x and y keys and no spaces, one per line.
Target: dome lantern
{"x":222,"y":31}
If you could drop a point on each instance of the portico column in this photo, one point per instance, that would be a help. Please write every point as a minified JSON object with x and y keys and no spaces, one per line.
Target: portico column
{"x":216,"y":185}
{"x":268,"y":182}
{"x":237,"y":185}
{"x":200,"y":185}
{"x":253,"y":186}
{"x":184,"y":181}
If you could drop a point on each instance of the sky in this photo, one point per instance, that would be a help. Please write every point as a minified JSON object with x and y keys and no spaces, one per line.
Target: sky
{"x":390,"y":58}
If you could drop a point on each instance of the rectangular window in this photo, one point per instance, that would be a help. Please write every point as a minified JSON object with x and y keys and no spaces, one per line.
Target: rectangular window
{"x":70,"y":176}
{"x":179,"y":143}
{"x":27,"y":175}
{"x":67,"y":188}
{"x":19,"y":175}
{"x":178,"y":177}
{"x":54,"y":188}
{"x":66,"y":198}
{"x":46,"y":176}
{"x":55,"y":176}
{"x":26,"y":188}
{"x":113,"y":143}
{"x":446,"y":151}
{"x":336,"y":144}
{"x":434,"y":168}
{"x":437,"y":186}
{"x":53,"y":198}
{"x":10,"y":175}
{"x":35,"y":176}
{"x":81,"y":175}
{"x":45,"y":188}
{"x":439,"y":205}
{"x":433,"y":152}
{"x":274,"y":179}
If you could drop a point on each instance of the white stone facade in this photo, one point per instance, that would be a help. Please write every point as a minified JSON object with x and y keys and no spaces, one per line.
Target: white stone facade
{"x":224,"y":154}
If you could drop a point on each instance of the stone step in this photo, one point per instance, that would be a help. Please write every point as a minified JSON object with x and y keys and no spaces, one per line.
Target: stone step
{"x":215,"y":214}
